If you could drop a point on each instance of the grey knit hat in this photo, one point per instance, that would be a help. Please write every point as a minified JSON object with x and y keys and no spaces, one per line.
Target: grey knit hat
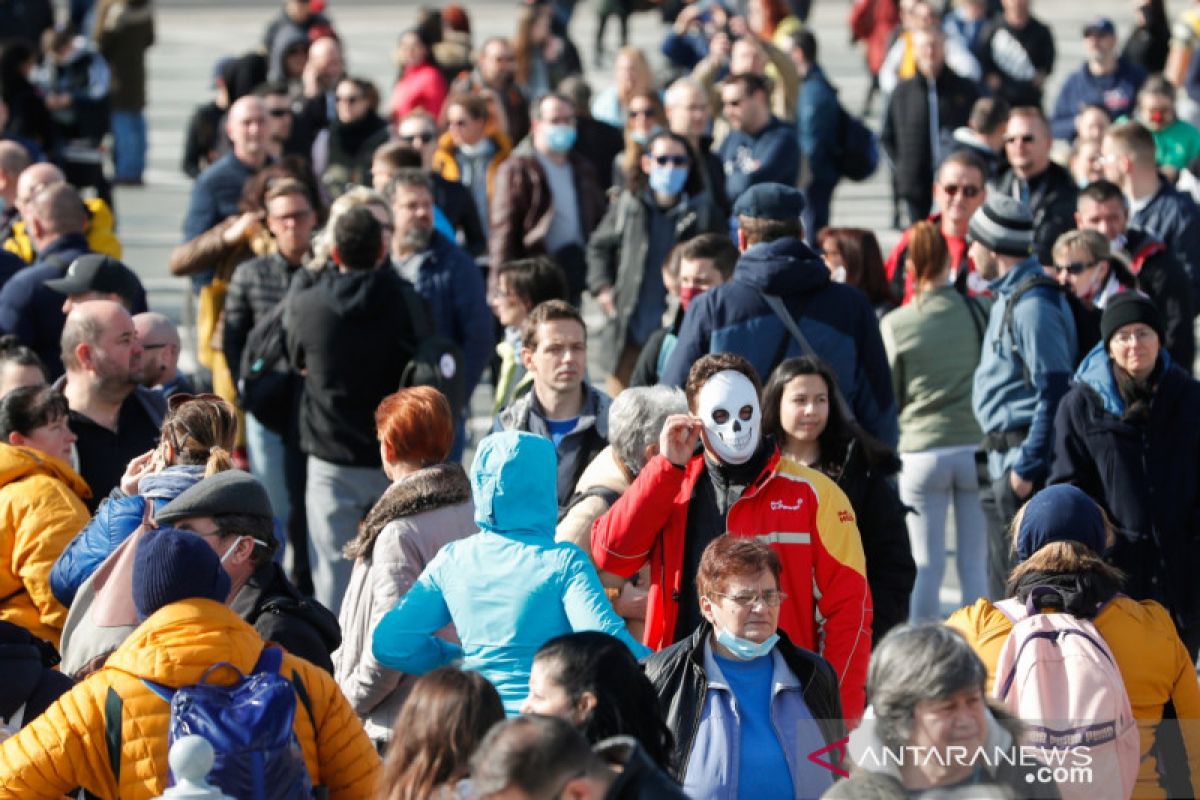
{"x":1003,"y":226}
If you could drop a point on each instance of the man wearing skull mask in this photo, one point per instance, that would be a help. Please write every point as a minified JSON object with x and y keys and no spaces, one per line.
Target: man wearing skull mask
{"x":681,"y":501}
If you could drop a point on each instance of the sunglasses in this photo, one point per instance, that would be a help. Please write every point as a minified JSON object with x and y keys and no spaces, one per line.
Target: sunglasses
{"x":1024,"y":139}
{"x":1075,"y":267}
{"x":425,"y":136}
{"x":675,"y":161}
{"x":635,"y":113}
{"x":183,"y":398}
{"x":968,"y":191}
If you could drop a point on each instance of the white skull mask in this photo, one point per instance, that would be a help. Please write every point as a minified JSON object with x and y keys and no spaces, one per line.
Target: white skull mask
{"x":728,"y":407}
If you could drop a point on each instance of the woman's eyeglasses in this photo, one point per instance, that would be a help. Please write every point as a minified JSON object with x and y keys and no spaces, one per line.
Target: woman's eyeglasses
{"x":1075,"y":267}
{"x":771,"y":597}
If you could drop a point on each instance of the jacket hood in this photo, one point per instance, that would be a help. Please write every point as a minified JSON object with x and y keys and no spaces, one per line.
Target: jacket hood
{"x":18,"y":463}
{"x":171,"y":482}
{"x":784,"y":266}
{"x":180,"y":641}
{"x":269,"y":592}
{"x":353,"y":293}
{"x":1095,"y":372}
{"x":868,"y":752}
{"x":514,"y":481}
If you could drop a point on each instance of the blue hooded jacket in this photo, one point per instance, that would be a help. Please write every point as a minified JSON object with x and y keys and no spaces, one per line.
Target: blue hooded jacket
{"x":507,"y":589}
{"x":116,"y":518}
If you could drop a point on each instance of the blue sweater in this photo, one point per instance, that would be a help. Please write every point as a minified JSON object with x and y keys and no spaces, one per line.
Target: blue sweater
{"x":1116,"y":92}
{"x":1021,"y":378}
{"x":837,"y":320}
{"x":771,"y":155}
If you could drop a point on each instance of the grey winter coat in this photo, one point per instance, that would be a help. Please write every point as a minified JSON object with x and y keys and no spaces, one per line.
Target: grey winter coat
{"x":414,"y":519}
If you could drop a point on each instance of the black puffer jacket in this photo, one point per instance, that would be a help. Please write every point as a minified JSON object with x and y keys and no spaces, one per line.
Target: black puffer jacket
{"x":29,"y":680}
{"x":680,"y":682}
{"x":891,"y":571}
{"x":281,"y":614}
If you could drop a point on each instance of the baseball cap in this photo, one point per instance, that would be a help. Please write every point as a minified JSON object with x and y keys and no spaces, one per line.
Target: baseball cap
{"x":1100,"y":26}
{"x":95,"y":272}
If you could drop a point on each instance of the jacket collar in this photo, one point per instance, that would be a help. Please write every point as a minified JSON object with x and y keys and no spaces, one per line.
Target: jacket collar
{"x":1013,"y":278}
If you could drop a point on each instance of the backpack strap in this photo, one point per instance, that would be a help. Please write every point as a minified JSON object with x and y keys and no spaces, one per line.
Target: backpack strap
{"x":305,"y":700}
{"x":977,"y":316}
{"x":1006,"y":324}
{"x":789,"y":323}
{"x":113,"y":708}
{"x":269,"y":660}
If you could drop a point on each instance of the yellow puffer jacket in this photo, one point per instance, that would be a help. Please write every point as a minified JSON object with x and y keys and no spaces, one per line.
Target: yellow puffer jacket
{"x":99,"y":232}
{"x":1154,"y":664}
{"x":41,"y":510}
{"x":65,"y":747}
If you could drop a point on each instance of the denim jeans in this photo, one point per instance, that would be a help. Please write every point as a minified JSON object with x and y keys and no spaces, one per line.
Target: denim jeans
{"x":129,"y":144}
{"x":337,"y":498}
{"x":930,"y":482}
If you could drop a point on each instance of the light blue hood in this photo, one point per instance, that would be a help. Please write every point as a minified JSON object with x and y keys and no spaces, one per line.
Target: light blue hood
{"x":1095,"y":372}
{"x":514,"y":483}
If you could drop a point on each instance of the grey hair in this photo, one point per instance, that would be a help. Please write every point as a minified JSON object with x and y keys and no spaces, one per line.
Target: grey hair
{"x":323,"y":242}
{"x":410,"y":177}
{"x":928,"y":661}
{"x":636,"y":418}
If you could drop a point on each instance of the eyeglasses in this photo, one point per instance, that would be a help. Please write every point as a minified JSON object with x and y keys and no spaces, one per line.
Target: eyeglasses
{"x":183,"y":398}
{"x":1023,"y":139}
{"x":423,"y":136}
{"x":771,"y":598}
{"x":146,"y":347}
{"x":279,"y":112}
{"x":636,"y":113}
{"x":1138,"y":335}
{"x":675,"y":161}
{"x":1075,"y":267}
{"x":968,"y":191}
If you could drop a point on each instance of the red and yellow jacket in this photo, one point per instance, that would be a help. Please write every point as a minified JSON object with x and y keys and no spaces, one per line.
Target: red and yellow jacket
{"x":66,"y":747}
{"x":796,"y":510}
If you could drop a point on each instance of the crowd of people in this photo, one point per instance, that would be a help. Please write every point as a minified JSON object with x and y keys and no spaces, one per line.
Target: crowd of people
{"x":701,"y":552}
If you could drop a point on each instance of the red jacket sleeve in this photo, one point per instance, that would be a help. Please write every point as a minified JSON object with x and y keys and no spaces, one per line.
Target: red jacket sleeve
{"x":844,"y":599}
{"x":623,"y":538}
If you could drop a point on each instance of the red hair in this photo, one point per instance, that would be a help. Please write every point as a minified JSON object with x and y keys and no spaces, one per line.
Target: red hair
{"x":417,"y":424}
{"x":727,"y":556}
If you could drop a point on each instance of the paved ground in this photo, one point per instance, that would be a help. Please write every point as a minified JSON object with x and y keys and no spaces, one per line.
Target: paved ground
{"x":192,"y":35}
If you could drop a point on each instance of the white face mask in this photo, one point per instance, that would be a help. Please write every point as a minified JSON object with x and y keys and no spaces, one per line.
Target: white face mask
{"x":730,"y":397}
{"x":232,"y":547}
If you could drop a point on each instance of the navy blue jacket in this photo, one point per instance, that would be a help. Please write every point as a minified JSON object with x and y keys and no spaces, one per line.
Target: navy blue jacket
{"x":33,"y":312}
{"x":452,"y":286}
{"x":1116,"y":92}
{"x":215,"y":196}
{"x":817,"y":121}
{"x":1146,"y":476}
{"x":837,"y":320}
{"x":773,"y":154}
{"x":1173,"y":217}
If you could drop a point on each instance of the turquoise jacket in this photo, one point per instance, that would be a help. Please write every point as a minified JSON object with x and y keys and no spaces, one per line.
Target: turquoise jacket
{"x":507,"y":589}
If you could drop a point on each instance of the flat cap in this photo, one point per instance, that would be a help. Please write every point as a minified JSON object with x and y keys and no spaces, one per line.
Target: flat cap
{"x":770,"y":201}
{"x":96,"y":272}
{"x":229,"y":492}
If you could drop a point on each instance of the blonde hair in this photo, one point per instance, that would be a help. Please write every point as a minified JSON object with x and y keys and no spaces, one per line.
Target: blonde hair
{"x":201,"y":430}
{"x":1093,"y":242}
{"x":354,"y":197}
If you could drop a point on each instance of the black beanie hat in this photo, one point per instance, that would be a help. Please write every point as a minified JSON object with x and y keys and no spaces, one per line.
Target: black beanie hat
{"x":1126,"y":308}
{"x":172,"y":565}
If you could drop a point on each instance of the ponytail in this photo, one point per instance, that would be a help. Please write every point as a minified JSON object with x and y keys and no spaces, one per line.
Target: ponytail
{"x":219,"y":460}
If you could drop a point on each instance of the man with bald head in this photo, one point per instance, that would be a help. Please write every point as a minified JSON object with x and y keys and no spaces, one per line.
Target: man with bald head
{"x":32,"y":180}
{"x":324,"y":69}
{"x":113,"y":417}
{"x":160,"y":355}
{"x":13,"y":160}
{"x":217,"y":191}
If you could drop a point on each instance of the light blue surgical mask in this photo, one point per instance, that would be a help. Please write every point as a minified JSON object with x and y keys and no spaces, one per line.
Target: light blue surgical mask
{"x":668,"y":180}
{"x":744,"y":649}
{"x":560,"y":138}
{"x":643,"y":137}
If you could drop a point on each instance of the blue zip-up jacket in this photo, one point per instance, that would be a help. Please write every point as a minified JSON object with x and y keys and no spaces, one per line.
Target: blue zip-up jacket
{"x":452,"y":285}
{"x":817,"y":122}
{"x":507,"y":589}
{"x":771,"y":155}
{"x":1021,"y":378}
{"x":837,"y":320}
{"x":117,"y":517}
{"x":1116,"y":92}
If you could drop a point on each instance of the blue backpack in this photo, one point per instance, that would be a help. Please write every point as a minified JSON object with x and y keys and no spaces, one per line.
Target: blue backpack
{"x":250,"y":727}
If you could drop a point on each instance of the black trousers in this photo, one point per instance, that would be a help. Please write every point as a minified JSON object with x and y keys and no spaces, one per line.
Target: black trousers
{"x":1000,"y":505}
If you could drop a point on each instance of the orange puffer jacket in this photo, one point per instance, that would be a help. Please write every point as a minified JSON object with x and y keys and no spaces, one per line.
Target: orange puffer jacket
{"x":1154,"y":665}
{"x":41,"y":511}
{"x":66,"y":746}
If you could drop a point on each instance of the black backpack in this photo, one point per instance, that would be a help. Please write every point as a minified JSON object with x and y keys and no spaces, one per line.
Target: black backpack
{"x":267,"y":386}
{"x":437,"y":360}
{"x":857,"y":153}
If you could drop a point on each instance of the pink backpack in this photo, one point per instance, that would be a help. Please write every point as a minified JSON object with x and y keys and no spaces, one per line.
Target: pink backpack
{"x":1057,"y":674}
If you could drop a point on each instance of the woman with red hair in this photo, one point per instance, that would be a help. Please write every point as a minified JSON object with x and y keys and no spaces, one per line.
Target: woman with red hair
{"x":427,"y":506}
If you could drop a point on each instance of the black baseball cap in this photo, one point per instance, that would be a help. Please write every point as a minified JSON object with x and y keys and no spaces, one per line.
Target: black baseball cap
{"x":96,"y":272}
